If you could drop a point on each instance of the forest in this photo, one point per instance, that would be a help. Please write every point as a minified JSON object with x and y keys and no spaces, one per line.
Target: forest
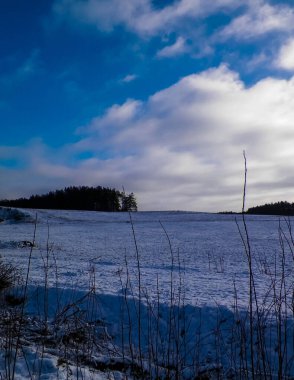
{"x":78,"y":198}
{"x":278,"y":208}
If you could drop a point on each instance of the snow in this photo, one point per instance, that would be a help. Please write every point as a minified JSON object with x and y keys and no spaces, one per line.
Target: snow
{"x":89,"y":260}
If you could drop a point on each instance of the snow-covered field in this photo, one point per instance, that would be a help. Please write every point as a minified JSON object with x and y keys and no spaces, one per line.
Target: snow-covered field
{"x":194,"y":261}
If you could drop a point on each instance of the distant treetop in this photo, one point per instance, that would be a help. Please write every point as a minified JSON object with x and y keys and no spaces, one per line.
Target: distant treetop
{"x":78,"y":198}
{"x":278,"y":208}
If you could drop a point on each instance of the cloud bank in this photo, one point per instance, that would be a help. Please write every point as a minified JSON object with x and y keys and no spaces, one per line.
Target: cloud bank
{"x":180,"y":149}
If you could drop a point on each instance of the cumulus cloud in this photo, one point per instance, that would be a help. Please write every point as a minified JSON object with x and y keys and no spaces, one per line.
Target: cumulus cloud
{"x":116,"y":116}
{"x":285,"y":58}
{"x":186,"y":142}
{"x":181,"y":148}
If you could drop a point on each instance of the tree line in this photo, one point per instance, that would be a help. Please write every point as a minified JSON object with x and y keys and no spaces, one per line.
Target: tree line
{"x":78,"y":198}
{"x":278,"y":208}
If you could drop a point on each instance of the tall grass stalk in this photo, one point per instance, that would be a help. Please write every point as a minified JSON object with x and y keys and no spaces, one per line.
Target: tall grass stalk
{"x":139,"y":291}
{"x":25,"y":291}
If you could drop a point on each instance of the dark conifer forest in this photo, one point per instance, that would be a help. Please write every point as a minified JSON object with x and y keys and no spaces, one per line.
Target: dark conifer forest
{"x":78,"y":198}
{"x":278,"y":208}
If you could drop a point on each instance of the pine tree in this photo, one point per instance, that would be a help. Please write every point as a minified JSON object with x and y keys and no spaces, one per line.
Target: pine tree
{"x":128,"y":202}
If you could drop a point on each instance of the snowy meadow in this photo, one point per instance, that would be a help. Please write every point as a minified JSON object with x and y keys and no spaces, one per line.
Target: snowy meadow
{"x":161,"y":295}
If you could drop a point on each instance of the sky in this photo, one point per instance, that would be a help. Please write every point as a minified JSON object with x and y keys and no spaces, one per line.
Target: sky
{"x":159,"y":97}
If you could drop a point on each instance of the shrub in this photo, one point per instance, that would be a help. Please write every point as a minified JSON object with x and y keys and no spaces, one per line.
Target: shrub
{"x":9,"y":275}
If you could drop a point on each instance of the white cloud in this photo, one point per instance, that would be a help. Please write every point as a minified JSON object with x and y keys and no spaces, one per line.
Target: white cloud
{"x":187,"y":141}
{"x":285,"y":59}
{"x":137,"y":15}
{"x":104,"y":14}
{"x":129,"y":78}
{"x":258,"y":60}
{"x":116,"y":115}
{"x":249,"y":20}
{"x":182,"y":148}
{"x":260,"y":18}
{"x":179,"y":47}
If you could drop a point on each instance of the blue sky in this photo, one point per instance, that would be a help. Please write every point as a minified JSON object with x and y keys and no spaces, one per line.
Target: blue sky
{"x":160,"y":97}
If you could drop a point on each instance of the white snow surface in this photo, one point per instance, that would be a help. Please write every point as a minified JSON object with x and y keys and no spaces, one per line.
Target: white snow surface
{"x":203,"y":255}
{"x":207,"y":248}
